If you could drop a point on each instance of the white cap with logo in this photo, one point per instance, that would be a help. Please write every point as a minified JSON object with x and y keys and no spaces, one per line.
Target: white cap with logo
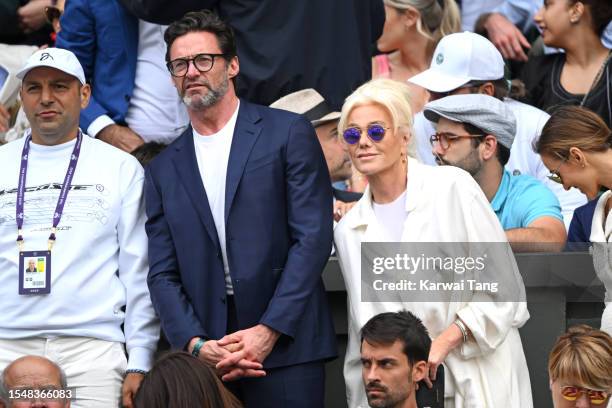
{"x":57,"y":58}
{"x":458,"y":59}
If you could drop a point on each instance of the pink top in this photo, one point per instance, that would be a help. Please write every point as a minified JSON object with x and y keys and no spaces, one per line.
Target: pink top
{"x":383,"y":67}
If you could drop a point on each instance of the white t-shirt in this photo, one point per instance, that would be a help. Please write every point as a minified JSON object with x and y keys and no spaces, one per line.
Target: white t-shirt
{"x":212,"y":153}
{"x":99,"y":260}
{"x":155,"y":112}
{"x":392,"y":216}
{"x":523,"y":160}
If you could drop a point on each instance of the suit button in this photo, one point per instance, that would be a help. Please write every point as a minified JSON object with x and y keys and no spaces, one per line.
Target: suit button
{"x":219,"y":255}
{"x":223,"y":300}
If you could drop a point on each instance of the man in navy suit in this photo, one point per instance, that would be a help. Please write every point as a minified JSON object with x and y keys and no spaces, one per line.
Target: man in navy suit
{"x":240,"y":224}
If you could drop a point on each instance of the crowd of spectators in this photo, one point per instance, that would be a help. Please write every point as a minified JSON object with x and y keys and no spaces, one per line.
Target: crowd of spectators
{"x":185,"y":169}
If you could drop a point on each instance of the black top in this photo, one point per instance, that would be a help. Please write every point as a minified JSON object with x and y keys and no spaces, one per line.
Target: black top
{"x":542,"y":77}
{"x":287,"y":45}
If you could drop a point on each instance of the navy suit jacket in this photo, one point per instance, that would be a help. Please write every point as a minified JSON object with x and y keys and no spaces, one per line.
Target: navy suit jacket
{"x":278,"y":221}
{"x":104,"y":37}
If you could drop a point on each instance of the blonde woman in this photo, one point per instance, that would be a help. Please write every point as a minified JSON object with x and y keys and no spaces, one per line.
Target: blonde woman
{"x":580,"y":368}
{"x":407,"y":201}
{"x":411,"y":32}
{"x":576,"y":146}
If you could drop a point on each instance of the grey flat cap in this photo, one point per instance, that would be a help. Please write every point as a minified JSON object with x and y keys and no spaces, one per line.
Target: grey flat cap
{"x":483,"y":111}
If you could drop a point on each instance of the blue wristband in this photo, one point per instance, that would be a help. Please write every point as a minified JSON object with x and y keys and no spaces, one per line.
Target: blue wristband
{"x":196,"y":348}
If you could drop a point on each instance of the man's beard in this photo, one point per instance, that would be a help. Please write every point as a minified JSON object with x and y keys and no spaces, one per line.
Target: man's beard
{"x":470,"y":163}
{"x":199,"y":102}
{"x":390,"y":399}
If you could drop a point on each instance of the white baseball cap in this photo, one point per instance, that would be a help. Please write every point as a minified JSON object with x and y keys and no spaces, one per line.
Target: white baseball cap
{"x":57,"y":58}
{"x":458,"y":59}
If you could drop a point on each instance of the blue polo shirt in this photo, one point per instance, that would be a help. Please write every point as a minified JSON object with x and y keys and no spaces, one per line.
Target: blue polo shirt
{"x":522,"y":199}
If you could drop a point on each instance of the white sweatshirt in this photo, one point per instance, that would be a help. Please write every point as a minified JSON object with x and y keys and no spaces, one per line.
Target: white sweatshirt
{"x":99,"y":261}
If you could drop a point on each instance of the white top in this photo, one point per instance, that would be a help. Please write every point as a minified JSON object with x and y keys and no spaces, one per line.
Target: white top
{"x":99,"y":261}
{"x":601,"y":237}
{"x":392,"y":216}
{"x":155,"y":112}
{"x":212,"y":153}
{"x":443,"y":204}
{"x":523,"y":160}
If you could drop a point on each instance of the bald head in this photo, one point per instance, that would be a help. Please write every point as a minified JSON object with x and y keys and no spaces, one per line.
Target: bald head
{"x":34,"y":372}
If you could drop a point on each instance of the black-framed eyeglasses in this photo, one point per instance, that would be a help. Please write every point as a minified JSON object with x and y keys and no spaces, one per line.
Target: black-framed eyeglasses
{"x":554,"y":174}
{"x":376,"y":133}
{"x":444,"y":139}
{"x":202,"y":62}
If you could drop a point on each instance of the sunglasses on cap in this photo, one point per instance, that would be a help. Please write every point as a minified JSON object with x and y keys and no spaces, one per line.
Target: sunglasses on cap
{"x":572,"y":393}
{"x":376,"y":133}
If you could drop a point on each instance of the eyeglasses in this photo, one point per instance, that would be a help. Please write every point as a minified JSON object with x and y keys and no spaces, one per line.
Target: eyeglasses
{"x":572,"y":393}
{"x":202,"y":62}
{"x":375,"y":132}
{"x":52,"y":13}
{"x":446,"y":138}
{"x":554,"y":174}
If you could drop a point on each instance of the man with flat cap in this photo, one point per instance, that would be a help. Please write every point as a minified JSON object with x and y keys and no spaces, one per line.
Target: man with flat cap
{"x":315,"y":108}
{"x":475,"y":133}
{"x":86,"y":226}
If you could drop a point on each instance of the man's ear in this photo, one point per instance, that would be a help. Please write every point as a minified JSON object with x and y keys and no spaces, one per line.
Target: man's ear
{"x":487,"y":89}
{"x":419,"y":371}
{"x":488,"y":147}
{"x":233,"y":67}
{"x":85,"y":95}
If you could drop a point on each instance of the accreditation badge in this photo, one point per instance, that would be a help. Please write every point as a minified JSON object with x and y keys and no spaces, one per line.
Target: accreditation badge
{"x":34,"y":272}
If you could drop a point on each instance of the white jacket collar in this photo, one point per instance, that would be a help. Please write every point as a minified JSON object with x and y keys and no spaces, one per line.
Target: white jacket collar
{"x":363,"y":212}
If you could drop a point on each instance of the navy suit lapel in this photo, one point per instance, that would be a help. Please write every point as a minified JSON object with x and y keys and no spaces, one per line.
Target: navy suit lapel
{"x":189,"y":175}
{"x":246,"y":134}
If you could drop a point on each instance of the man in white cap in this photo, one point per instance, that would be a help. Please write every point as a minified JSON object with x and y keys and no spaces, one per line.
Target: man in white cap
{"x":475,"y":133}
{"x":85,"y":228}
{"x":465,"y":63}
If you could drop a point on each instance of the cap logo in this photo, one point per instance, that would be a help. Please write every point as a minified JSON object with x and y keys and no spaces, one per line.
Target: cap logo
{"x":439,"y":58}
{"x":46,"y":56}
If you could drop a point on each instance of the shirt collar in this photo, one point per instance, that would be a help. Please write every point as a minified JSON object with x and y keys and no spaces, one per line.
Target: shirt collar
{"x":502,"y":192}
{"x":363,"y":213}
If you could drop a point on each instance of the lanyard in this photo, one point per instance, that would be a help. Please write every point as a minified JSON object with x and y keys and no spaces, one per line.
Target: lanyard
{"x":59,"y":208}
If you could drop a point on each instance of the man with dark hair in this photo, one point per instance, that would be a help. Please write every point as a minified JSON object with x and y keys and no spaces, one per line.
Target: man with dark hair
{"x":394,"y":352}
{"x":475,"y":133}
{"x":240,"y":225}
{"x":468,"y":63}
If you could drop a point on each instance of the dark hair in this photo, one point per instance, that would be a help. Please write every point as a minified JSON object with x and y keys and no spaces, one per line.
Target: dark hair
{"x":601,"y":13}
{"x":502,"y":152}
{"x":147,"y":152}
{"x":198,"y":21}
{"x":180,"y":380}
{"x":573,"y":126}
{"x":386,"y":328}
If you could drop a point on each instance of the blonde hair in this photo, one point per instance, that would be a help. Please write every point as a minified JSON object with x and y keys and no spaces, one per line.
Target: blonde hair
{"x":393,"y":96}
{"x":583,"y":357}
{"x":436,"y":21}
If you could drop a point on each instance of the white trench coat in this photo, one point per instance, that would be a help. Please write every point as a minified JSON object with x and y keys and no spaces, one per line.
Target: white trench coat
{"x":443,"y":204}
